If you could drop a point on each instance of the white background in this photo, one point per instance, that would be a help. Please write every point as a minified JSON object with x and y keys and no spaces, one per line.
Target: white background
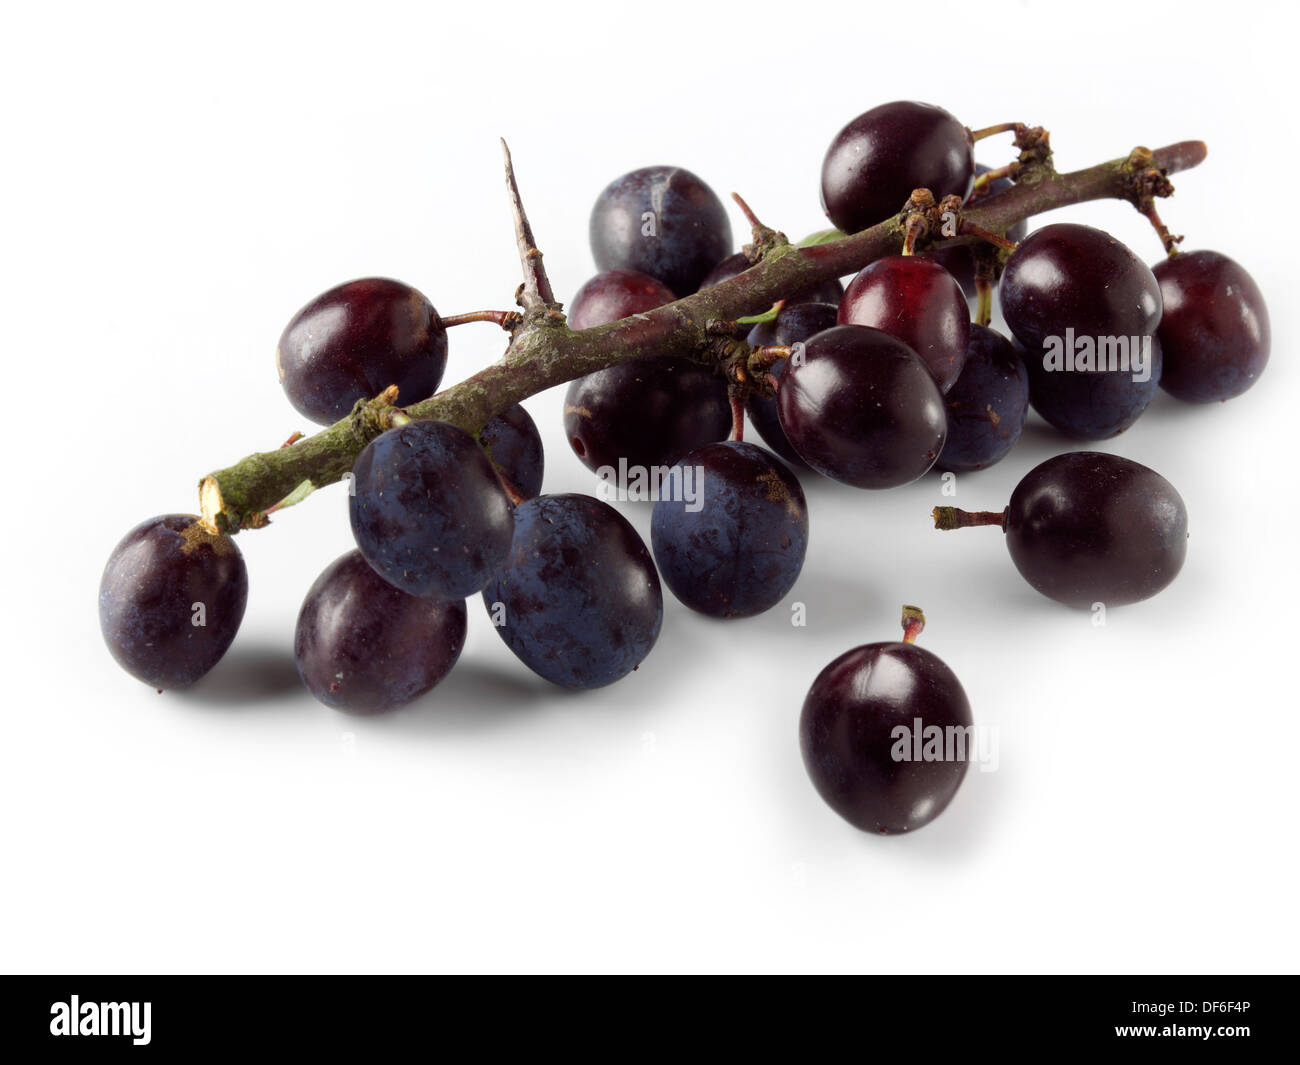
{"x":178,"y":182}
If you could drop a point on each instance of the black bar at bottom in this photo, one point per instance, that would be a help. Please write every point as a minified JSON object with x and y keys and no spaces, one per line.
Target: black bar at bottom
{"x":1234,"y":1015}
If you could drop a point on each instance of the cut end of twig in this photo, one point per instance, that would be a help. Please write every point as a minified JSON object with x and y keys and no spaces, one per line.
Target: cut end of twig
{"x":211,"y":506}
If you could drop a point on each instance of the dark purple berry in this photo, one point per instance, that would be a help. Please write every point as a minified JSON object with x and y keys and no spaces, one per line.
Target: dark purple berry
{"x":513,"y":443}
{"x":1086,"y":309}
{"x":730,"y":530}
{"x":364,"y":646}
{"x":354,"y":341}
{"x":1088,"y":528}
{"x":794,"y":325}
{"x":877,"y":160}
{"x":616,"y":294}
{"x":987,"y":406}
{"x":1215,"y":331}
{"x":578,"y":600}
{"x":920,"y":303}
{"x":886,"y":735}
{"x":662,"y":221}
{"x":648,"y":413}
{"x":171,"y":600}
{"x":428,"y":510}
{"x":862,"y":408}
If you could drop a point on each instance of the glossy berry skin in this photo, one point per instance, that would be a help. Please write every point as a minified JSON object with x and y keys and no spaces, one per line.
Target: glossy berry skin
{"x":1091,"y":405}
{"x":1071,"y":276}
{"x":1087,"y":527}
{"x":960,"y":261}
{"x":920,"y":303}
{"x":512,"y":442}
{"x":846,"y":733}
{"x":649,"y":412}
{"x":578,"y":600}
{"x":987,"y":406}
{"x":1069,"y":285}
{"x":877,"y":160}
{"x":149,"y":600}
{"x":827,"y":292}
{"x":1215,"y":329}
{"x":862,"y":408}
{"x":616,"y":294}
{"x":662,"y":221}
{"x":354,"y":341}
{"x":365,"y":647}
{"x":737,"y":548}
{"x":428,"y":510}
{"x":796,"y":324}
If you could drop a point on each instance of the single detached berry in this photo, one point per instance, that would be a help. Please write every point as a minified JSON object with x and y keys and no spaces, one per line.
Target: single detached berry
{"x":365,"y":646}
{"x":171,"y":600}
{"x":730,"y":530}
{"x":1087,"y":528}
{"x":662,"y":221}
{"x":987,"y":406}
{"x":860,"y":407}
{"x":428,"y":510}
{"x":1215,"y":331}
{"x":877,"y":160}
{"x":355,"y":340}
{"x":919,"y":302}
{"x":578,"y":600}
{"x":886,"y":734}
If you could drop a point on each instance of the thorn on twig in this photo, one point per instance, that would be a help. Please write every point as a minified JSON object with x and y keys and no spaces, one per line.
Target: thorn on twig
{"x":765,"y":237}
{"x":535,"y":296}
{"x":747,"y":211}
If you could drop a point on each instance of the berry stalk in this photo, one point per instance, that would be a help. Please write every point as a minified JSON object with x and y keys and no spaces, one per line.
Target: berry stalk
{"x":948,"y":518}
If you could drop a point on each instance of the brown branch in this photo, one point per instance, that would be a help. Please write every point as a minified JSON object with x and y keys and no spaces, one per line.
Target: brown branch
{"x":544,"y":352}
